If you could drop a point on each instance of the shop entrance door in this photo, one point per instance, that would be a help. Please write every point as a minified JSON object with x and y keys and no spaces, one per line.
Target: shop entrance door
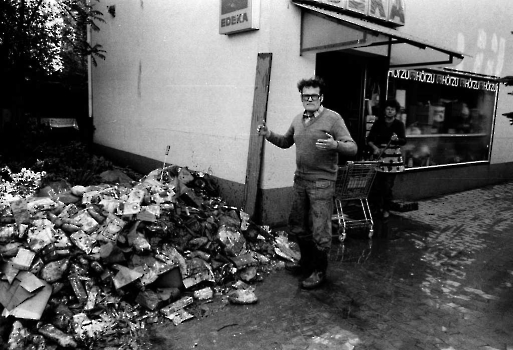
{"x":351,"y":80}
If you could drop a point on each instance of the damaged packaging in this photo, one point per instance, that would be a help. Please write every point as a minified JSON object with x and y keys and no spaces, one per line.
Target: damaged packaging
{"x":97,"y":268}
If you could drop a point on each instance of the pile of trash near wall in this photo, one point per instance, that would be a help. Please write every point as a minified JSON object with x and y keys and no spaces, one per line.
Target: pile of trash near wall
{"x":91,"y":266}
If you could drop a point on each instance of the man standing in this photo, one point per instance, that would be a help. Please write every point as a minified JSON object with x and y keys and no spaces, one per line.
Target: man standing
{"x":320,"y":135}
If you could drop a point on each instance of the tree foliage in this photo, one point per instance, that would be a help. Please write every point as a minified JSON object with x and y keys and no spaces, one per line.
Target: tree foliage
{"x":44,"y":40}
{"x":46,"y":34}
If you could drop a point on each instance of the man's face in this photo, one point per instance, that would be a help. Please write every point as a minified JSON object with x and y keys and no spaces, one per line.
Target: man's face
{"x":311,"y":98}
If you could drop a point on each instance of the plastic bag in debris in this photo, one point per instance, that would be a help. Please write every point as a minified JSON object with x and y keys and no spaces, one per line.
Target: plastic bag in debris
{"x":40,"y":235}
{"x":39,"y":204}
{"x":62,"y":316}
{"x":242,"y":296}
{"x":85,"y":328}
{"x":153,"y":300}
{"x":86,"y":222}
{"x":248,"y":274}
{"x":110,"y":253}
{"x":244,"y":220}
{"x":110,"y":228}
{"x":169,"y":255}
{"x":115,"y":176}
{"x":233,"y":241}
{"x":283,"y":249}
{"x":83,"y":241}
{"x":203,"y":294}
{"x":197,"y":271}
{"x":179,"y":317}
{"x":246,"y":259}
{"x":54,"y":271}
{"x":59,"y":191}
{"x":10,"y":249}
{"x":8,"y":233}
{"x":20,"y":211}
{"x":125,"y":276}
{"x":150,"y":267}
{"x":19,"y":337}
{"x":140,"y":243}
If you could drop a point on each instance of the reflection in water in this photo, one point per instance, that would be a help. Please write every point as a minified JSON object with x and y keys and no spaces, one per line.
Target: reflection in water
{"x":357,"y":247}
{"x":352,"y":250}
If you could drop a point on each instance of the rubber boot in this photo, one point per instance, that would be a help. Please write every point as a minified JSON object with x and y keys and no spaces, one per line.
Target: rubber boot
{"x":303,"y":266}
{"x":320,"y":266}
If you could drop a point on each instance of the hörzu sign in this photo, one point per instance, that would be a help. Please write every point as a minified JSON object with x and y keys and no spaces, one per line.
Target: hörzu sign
{"x":443,"y":79}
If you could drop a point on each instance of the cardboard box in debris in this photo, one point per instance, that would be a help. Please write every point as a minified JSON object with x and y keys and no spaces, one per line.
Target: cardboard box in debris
{"x":89,"y":263}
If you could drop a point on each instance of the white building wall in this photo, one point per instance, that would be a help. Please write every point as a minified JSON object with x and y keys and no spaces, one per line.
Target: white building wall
{"x":171,"y":79}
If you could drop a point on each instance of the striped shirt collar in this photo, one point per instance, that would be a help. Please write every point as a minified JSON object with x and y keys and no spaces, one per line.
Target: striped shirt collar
{"x":315,"y":114}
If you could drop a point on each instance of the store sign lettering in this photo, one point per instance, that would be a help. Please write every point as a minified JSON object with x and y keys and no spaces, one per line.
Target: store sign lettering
{"x":240,"y":18}
{"x":392,"y":11}
{"x":237,"y":16}
{"x":443,"y":79}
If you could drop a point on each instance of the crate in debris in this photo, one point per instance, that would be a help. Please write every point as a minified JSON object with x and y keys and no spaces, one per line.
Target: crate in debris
{"x":403,"y":206}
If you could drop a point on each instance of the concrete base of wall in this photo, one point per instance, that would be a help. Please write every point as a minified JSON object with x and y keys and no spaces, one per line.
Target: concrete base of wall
{"x":232,"y":192}
{"x":274,"y":204}
{"x":411,"y":185}
{"x":421,"y":184}
{"x":138,"y":163}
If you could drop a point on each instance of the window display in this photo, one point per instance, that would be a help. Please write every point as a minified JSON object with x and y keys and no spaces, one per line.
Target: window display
{"x":448,"y":116}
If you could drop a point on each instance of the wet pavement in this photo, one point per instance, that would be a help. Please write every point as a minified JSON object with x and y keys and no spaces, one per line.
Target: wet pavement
{"x":440,"y":277}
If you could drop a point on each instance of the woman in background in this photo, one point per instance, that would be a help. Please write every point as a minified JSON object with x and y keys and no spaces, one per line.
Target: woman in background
{"x":385,"y":137}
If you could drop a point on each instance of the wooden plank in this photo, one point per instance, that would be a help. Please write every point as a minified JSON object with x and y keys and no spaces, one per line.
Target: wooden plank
{"x":256,"y":142}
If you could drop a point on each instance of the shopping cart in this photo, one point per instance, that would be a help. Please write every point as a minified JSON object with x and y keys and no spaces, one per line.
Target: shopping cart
{"x":352,"y":188}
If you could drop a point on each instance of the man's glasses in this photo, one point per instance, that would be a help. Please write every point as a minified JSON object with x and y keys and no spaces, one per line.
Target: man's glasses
{"x":313,"y":97}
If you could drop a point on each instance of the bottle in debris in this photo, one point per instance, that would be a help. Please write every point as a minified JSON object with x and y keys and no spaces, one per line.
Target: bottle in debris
{"x":78,"y":287}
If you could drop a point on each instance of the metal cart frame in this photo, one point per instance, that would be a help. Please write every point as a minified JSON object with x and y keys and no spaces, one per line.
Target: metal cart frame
{"x":354,"y":182}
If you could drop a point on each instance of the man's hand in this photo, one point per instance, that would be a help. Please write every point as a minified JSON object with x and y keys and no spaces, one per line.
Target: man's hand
{"x":394,"y":137}
{"x":263,"y":130}
{"x":326,"y":144}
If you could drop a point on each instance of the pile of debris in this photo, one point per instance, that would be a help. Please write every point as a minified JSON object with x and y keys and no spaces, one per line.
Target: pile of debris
{"x":89,"y":267}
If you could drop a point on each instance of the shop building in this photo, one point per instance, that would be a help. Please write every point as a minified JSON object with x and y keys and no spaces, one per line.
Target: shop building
{"x":198,"y":76}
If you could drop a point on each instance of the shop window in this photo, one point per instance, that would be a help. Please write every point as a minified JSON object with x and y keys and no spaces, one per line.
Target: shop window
{"x":448,"y":117}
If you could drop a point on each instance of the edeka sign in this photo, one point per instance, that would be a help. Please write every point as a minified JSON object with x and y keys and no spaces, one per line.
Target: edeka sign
{"x":238,"y":16}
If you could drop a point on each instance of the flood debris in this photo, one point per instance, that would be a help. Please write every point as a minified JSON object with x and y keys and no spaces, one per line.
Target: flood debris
{"x":91,"y":266}
{"x":242,"y":296}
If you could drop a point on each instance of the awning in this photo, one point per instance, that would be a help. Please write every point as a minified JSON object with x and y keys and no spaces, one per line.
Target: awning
{"x":326,"y":30}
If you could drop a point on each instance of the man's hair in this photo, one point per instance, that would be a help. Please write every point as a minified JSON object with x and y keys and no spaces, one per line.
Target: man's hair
{"x":315,"y":82}
{"x":392,"y":103}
